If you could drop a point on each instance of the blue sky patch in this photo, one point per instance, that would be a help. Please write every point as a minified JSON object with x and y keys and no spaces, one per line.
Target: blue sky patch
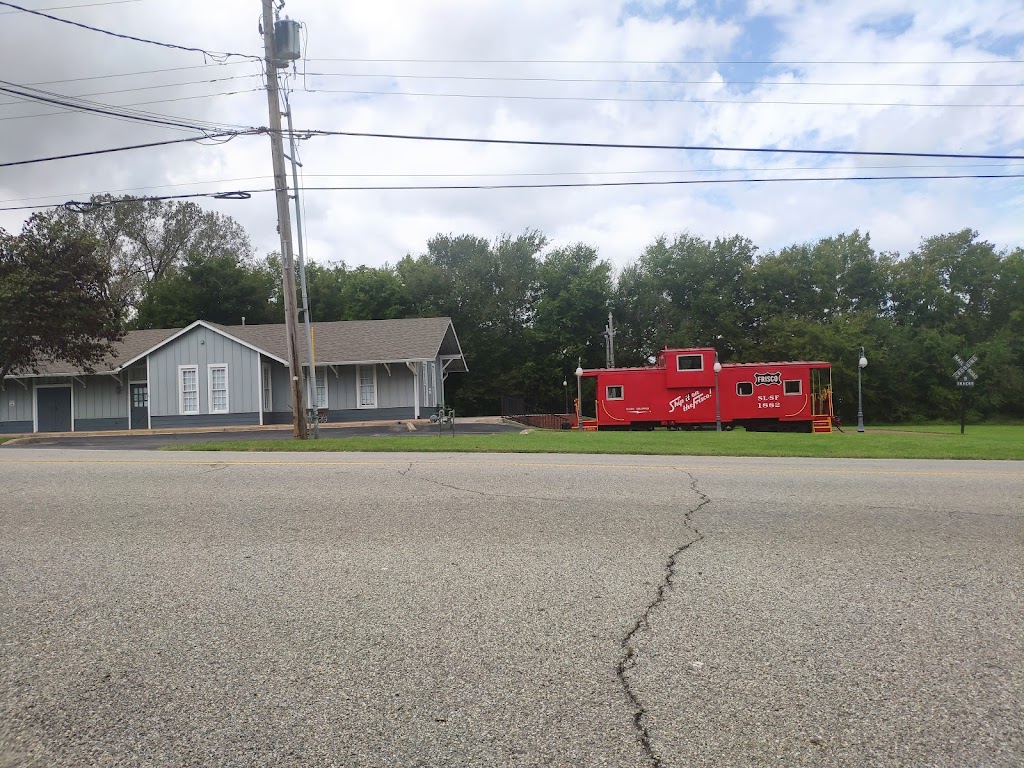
{"x":891,"y":27}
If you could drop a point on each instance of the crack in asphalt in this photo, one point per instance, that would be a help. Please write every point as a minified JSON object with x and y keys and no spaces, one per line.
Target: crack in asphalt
{"x":630,"y":653}
{"x":486,"y":494}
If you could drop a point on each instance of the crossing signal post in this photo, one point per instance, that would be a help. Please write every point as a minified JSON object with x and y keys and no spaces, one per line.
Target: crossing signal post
{"x":964,"y":378}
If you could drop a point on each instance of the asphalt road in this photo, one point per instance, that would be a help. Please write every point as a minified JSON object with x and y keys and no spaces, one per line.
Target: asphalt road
{"x":150,"y":441}
{"x":482,"y":610}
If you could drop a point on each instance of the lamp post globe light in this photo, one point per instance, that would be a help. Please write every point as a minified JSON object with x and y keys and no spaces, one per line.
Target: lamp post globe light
{"x":565,"y":388}
{"x":579,"y":397}
{"x":861,"y":364}
{"x":718,"y":403}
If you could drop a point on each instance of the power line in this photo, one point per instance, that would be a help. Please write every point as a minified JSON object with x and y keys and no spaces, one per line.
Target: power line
{"x":651,"y":100}
{"x":245,"y":194}
{"x":677,"y":147}
{"x":641,"y":81}
{"x":212,"y":54}
{"x":62,"y":112}
{"x":72,"y":7}
{"x":142,"y":72}
{"x":499,"y":174}
{"x":151,"y":88}
{"x":83,"y":105}
{"x":90,"y":153}
{"x":735,"y":62}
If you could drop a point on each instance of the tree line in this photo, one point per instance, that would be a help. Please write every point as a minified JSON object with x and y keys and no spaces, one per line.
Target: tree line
{"x":526,"y":312}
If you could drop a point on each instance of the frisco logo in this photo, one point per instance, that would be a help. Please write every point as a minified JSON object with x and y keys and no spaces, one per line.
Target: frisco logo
{"x":768,"y":378}
{"x":688,"y":402}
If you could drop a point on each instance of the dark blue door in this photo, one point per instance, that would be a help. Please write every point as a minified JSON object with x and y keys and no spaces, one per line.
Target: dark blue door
{"x":140,"y":406}
{"x":53,"y":405}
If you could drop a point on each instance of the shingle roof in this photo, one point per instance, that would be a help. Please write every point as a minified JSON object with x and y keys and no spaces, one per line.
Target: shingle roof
{"x":337,"y":343}
{"x":132,"y":345}
{"x":360,"y":341}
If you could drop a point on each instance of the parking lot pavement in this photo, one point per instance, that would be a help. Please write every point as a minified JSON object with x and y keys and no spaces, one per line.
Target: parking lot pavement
{"x":146,"y":441}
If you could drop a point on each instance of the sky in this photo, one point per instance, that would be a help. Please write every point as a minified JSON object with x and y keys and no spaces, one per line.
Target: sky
{"x":870,"y":76}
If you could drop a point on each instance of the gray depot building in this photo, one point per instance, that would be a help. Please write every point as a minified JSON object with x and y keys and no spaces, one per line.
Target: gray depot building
{"x":216,"y":375}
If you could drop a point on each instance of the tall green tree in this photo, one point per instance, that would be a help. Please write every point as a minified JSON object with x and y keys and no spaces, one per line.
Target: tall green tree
{"x":689,"y":292}
{"x":219,"y":288}
{"x":489,"y":290}
{"x":146,"y":239}
{"x":574,"y":293}
{"x":55,"y":295}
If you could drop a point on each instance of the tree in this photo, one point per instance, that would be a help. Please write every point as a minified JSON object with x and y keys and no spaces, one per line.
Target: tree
{"x":54,"y":291}
{"x":144,"y":240}
{"x":218,"y":288}
{"x":489,"y":291}
{"x":574,"y":291}
{"x":689,"y":292}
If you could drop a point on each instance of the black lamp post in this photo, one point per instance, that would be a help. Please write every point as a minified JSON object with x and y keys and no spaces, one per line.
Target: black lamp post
{"x":861,"y":364}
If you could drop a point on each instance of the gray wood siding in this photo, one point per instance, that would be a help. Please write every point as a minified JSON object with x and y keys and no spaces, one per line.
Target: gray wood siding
{"x":202,"y":347}
{"x":341,"y":387}
{"x":99,"y":399}
{"x":396,"y":390}
{"x":16,"y":403}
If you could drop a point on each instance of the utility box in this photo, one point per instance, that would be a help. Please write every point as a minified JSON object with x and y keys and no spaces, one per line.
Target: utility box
{"x":287,"y":43}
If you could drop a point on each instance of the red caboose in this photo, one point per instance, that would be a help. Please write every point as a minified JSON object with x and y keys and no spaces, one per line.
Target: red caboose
{"x":679,"y":392}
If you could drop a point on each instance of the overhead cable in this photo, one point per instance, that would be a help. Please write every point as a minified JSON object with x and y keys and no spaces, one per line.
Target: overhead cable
{"x":246,"y":193}
{"x":84,"y":105}
{"x":656,"y":99}
{"x":643,"y":81}
{"x":675,"y":147}
{"x":211,"y":54}
{"x":733,"y":62}
{"x":228,"y":135}
{"x":73,"y":7}
{"x":502,"y":174}
{"x":140,"y":72}
{"x":146,"y":103}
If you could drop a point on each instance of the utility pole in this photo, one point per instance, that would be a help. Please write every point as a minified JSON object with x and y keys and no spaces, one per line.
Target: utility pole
{"x":311,"y":380}
{"x":609,"y":337}
{"x":284,"y":226}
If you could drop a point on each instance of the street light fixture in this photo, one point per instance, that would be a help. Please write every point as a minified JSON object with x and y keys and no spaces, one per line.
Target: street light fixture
{"x":579,"y":397}
{"x":565,"y":388}
{"x":718,"y":405}
{"x":861,"y":364}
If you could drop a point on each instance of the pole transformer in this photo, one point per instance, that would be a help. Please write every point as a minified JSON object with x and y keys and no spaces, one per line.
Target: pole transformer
{"x":284,"y":227}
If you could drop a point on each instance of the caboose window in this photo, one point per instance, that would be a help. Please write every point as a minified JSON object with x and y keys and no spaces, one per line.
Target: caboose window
{"x":690,"y":362}
{"x":791,"y":387}
{"x":744,"y":388}
{"x":613,"y":392}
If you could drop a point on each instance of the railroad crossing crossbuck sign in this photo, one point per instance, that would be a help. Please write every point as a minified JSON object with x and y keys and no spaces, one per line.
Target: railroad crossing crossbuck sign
{"x":965,"y":375}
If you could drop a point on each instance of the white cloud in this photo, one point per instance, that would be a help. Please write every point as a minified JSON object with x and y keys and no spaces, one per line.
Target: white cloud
{"x":374,"y":227}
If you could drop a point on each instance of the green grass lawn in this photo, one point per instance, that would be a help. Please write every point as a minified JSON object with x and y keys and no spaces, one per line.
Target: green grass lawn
{"x":918,"y":442}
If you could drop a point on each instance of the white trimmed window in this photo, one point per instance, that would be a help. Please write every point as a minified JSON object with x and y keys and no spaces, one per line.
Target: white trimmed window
{"x":218,"y":388}
{"x":791,"y":386}
{"x":321,"y":388}
{"x":367,"y":386}
{"x":188,"y":389}
{"x":268,"y":391}
{"x":613,"y":392}
{"x":690,"y":363}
